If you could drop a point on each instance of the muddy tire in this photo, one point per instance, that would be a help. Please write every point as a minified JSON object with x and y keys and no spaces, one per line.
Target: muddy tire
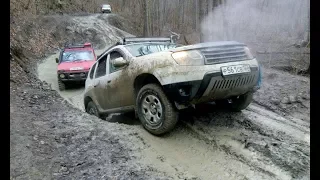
{"x":93,"y":110}
{"x":62,"y":85}
{"x":241,"y":102}
{"x":155,"y":111}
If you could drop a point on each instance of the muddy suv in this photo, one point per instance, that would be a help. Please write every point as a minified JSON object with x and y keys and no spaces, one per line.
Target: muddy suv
{"x":157,"y":78}
{"x":74,"y":64}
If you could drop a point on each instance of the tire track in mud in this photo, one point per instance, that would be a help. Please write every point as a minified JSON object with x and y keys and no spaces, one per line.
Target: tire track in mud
{"x":268,"y":146}
{"x":223,"y":145}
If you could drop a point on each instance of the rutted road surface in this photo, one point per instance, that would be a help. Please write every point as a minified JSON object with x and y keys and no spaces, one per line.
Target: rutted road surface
{"x":210,"y":143}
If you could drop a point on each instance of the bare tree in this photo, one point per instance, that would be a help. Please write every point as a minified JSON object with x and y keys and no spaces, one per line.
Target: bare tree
{"x":202,"y":16}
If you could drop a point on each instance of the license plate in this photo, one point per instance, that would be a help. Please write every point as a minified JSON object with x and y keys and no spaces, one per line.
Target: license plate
{"x":76,"y":68}
{"x":236,"y":69}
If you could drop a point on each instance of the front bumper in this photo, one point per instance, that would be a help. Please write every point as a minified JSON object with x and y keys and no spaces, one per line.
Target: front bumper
{"x":106,"y":10}
{"x":213,"y":86}
{"x":73,"y":76}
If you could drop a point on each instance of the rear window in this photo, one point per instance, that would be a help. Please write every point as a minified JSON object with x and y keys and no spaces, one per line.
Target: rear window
{"x":70,"y":56}
{"x":144,"y":49}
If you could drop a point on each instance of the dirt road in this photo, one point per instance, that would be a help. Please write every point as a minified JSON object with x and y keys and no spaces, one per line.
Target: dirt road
{"x":209,"y":143}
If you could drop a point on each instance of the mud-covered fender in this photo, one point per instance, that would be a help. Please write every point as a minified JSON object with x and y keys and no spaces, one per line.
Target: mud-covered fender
{"x":158,"y":76}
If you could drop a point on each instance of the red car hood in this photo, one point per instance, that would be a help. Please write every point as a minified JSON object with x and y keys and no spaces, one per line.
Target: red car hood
{"x":67,"y":66}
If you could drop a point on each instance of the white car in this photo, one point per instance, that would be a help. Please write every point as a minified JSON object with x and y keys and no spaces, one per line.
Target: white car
{"x":157,"y":78}
{"x":106,"y":8}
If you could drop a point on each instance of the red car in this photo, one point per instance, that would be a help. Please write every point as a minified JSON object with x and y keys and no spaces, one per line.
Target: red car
{"x":74,"y":64}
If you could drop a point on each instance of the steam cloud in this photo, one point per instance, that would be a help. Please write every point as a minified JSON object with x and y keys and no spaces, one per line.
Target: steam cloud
{"x":279,"y":22}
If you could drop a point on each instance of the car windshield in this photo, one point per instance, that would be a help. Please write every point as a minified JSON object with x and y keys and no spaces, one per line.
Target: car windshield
{"x":70,"y":56}
{"x":106,"y":6}
{"x":144,"y":49}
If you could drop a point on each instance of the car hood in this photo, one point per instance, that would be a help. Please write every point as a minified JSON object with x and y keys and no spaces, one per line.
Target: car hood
{"x":86,"y":65}
{"x":207,"y":45}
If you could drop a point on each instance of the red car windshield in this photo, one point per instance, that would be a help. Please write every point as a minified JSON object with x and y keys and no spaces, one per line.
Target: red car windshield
{"x":70,"y":56}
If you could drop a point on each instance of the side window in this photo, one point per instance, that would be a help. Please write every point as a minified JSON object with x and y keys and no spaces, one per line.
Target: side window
{"x":114,"y":55}
{"x":92,"y":71}
{"x":102,"y":67}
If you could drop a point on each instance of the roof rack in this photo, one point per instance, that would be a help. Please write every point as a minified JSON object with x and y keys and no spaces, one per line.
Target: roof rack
{"x":128,"y":40}
{"x":77,"y":45}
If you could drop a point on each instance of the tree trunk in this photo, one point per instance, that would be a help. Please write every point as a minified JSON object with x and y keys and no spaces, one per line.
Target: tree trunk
{"x":225,"y":21}
{"x":145,"y":12}
{"x":202,"y":17}
{"x":197,"y":18}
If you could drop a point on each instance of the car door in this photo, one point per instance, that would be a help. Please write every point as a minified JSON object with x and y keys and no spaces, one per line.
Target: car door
{"x":119,"y":83}
{"x":99,"y":82}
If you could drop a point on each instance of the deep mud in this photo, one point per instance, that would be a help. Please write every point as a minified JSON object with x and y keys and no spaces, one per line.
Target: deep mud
{"x":49,"y":139}
{"x":52,"y":138}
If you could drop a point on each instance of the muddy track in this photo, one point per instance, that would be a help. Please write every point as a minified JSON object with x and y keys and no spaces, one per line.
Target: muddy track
{"x":254,"y":144}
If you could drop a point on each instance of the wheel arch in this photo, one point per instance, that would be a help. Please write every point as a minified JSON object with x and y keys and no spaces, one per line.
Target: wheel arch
{"x":87,"y":99}
{"x":143,"y":79}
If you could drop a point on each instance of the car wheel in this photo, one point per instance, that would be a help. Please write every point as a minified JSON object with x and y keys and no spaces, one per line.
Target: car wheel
{"x":62,"y":85}
{"x":155,"y":111}
{"x":241,"y":102}
{"x":93,"y":110}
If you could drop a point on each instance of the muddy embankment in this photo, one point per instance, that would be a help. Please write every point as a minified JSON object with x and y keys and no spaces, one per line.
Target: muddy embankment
{"x":51,"y":136}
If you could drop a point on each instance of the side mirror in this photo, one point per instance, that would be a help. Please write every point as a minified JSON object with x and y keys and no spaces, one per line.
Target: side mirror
{"x":57,"y":60}
{"x":119,"y":62}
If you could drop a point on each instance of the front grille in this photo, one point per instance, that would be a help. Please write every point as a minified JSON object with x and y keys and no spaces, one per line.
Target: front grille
{"x":233,"y":83}
{"x":76,"y":75}
{"x":224,"y":54}
{"x":219,"y":84}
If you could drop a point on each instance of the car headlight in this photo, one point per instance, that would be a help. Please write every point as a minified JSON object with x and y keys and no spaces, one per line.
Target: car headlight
{"x":193,"y":57}
{"x":248,"y":53}
{"x":62,"y":76}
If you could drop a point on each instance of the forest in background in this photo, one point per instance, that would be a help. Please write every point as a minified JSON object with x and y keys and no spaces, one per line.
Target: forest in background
{"x":212,"y":19}
{"x":265,"y":25}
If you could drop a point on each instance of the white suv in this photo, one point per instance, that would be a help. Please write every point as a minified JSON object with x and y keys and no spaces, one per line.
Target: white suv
{"x":106,"y":8}
{"x":157,"y":78}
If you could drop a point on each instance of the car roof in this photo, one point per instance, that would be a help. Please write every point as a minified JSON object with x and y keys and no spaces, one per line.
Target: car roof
{"x":78,"y":49}
{"x":146,"y":43}
{"x":124,"y":45}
